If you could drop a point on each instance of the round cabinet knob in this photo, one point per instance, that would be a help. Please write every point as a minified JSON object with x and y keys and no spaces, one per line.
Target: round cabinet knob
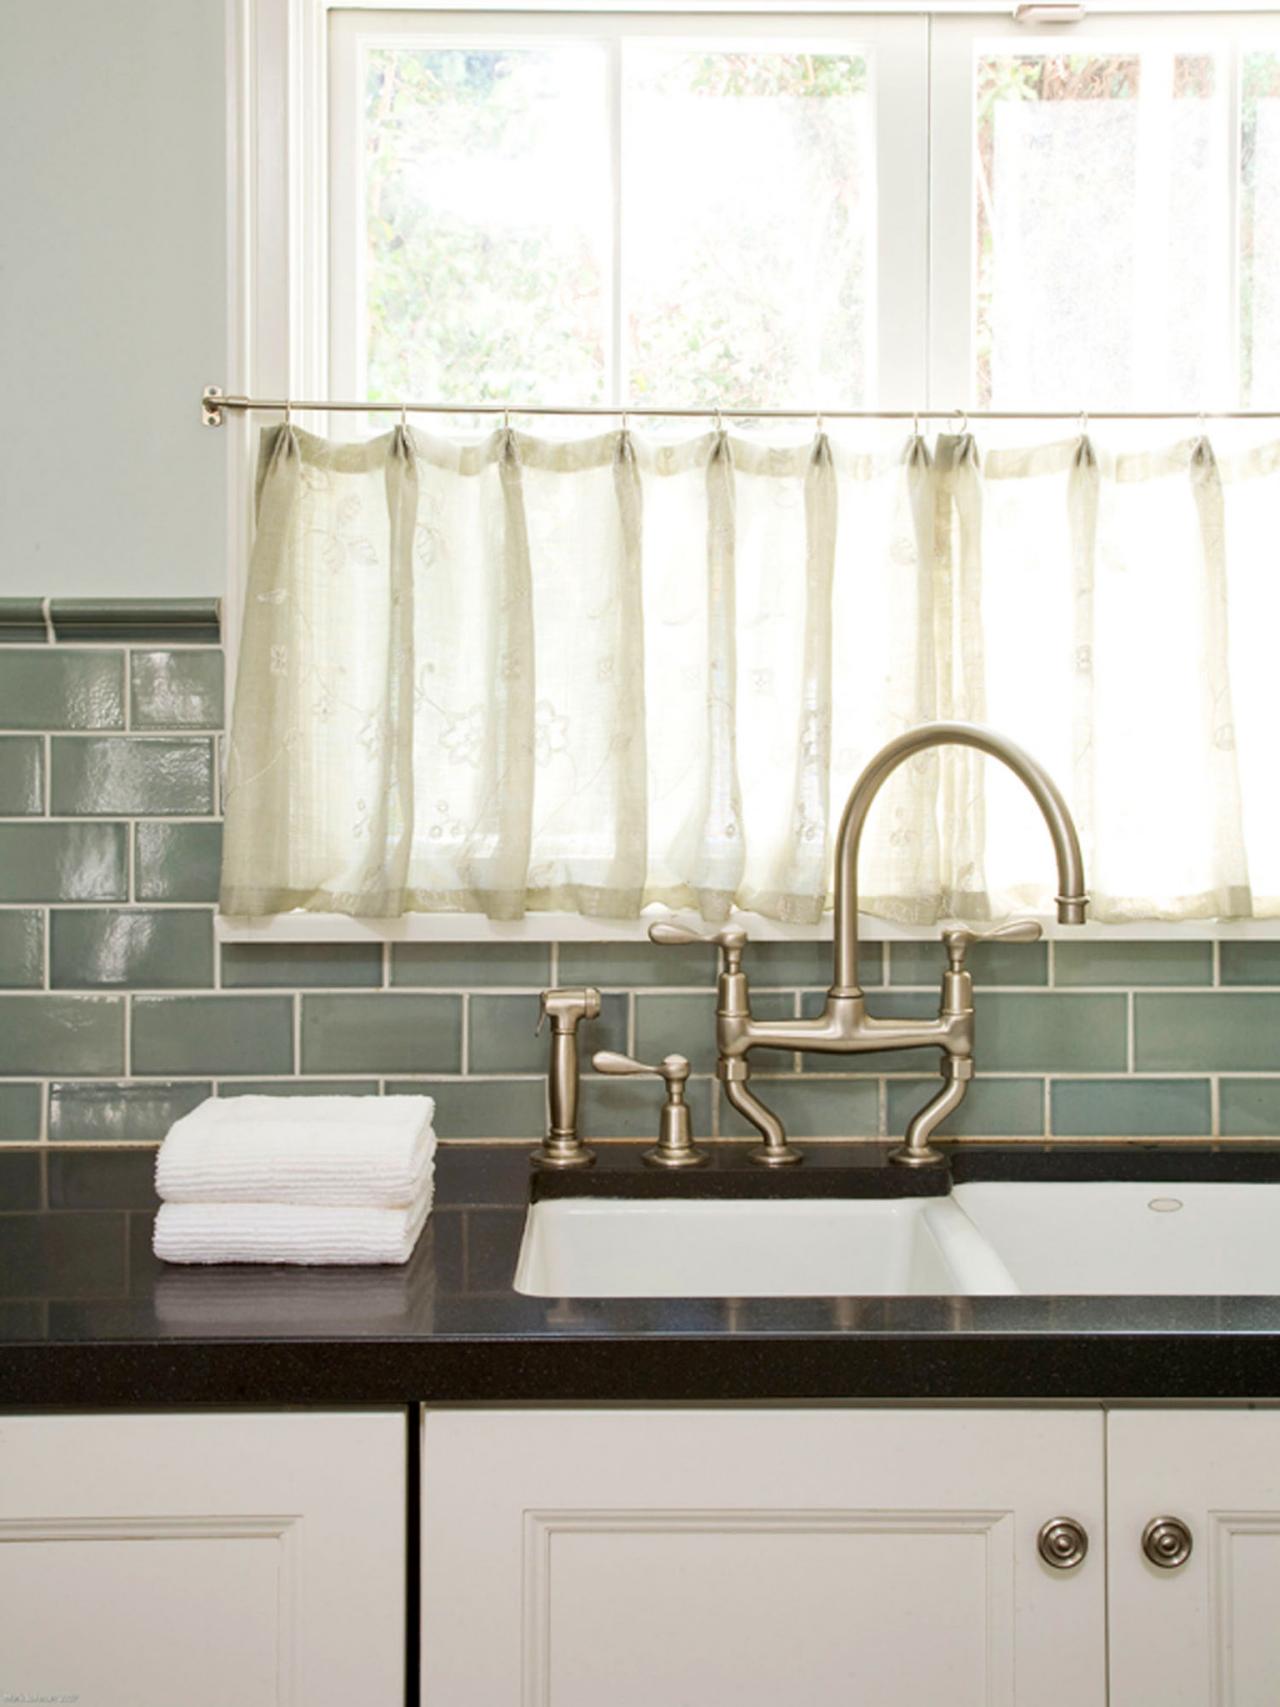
{"x":1166,"y":1541}
{"x":1063,"y":1543}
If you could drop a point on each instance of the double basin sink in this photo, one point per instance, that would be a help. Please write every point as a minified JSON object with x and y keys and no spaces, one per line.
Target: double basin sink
{"x":983,"y":1238}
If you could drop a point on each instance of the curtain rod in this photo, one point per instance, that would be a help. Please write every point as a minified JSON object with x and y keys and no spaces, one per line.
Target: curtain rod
{"x":213,"y":402}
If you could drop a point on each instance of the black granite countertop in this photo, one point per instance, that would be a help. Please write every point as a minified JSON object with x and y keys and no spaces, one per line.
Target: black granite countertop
{"x":89,"y":1318}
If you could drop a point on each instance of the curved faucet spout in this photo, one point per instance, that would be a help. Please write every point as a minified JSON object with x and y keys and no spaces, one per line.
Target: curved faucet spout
{"x":1071,"y":898}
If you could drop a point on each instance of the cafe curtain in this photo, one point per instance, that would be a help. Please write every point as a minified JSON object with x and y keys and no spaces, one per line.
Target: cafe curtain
{"x":585,"y":675}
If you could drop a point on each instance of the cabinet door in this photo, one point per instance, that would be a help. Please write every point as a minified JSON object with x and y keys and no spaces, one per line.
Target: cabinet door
{"x":824,"y":1557}
{"x":202,"y":1560}
{"x":1203,"y":1634}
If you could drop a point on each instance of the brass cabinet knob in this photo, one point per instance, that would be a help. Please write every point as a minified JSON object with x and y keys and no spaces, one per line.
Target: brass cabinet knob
{"x":1063,"y":1543}
{"x":1166,"y":1541}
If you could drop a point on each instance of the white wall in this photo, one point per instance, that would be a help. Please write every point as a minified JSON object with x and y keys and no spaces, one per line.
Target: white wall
{"x":112,"y":296}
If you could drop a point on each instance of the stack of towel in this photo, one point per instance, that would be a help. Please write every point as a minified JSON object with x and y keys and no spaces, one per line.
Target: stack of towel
{"x":337,"y":1179}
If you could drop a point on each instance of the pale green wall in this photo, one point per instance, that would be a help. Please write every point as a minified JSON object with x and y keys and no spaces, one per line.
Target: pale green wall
{"x":112,"y":295}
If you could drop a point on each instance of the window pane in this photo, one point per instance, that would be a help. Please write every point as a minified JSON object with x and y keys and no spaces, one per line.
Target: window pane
{"x":1103,"y":236}
{"x":748,"y":227}
{"x":1260,"y":228}
{"x":486,"y":208}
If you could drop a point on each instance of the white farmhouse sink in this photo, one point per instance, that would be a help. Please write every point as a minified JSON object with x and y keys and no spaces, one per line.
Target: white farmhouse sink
{"x":659,"y":1248}
{"x":1136,"y":1237}
{"x":1115,"y":1237}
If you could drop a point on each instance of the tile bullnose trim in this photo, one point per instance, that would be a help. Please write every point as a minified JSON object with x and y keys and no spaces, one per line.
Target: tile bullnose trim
{"x":196,"y":622}
{"x":22,"y":622}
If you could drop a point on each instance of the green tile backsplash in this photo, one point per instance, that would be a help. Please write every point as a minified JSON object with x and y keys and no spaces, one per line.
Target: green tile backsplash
{"x":209,"y":1035}
{"x":56,"y":689}
{"x":20,"y":1107}
{"x":176,"y":690}
{"x":21,"y":949}
{"x":118,"y":1111}
{"x":63,"y":862}
{"x":119,"y":1011}
{"x":21,"y":775}
{"x":381,"y":1034}
{"x":1237,"y":1032}
{"x":51,"y":1035}
{"x":177,"y":862}
{"x":129,"y":948}
{"x":134,"y":776}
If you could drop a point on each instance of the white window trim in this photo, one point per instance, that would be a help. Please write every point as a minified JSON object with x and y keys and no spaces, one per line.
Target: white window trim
{"x":900,"y":45}
{"x":278,"y":337}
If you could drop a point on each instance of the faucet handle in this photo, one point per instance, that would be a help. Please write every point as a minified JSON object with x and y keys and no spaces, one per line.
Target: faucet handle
{"x":672,"y":1069}
{"x":675,"y":1147}
{"x":731,"y":938}
{"x":959,"y":939}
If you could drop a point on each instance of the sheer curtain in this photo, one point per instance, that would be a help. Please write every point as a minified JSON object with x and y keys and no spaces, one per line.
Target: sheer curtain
{"x":523,"y":673}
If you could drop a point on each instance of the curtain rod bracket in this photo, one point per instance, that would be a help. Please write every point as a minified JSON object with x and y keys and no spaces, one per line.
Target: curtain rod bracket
{"x":211,"y":406}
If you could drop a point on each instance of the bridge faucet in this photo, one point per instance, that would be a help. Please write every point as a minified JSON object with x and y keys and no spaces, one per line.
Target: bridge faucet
{"x":844,"y":1027}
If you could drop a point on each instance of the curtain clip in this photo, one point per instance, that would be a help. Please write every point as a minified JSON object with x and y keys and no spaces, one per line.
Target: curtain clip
{"x":719,"y":421}
{"x":404,"y":419}
{"x":915,"y":423}
{"x":625,"y":424}
{"x":962,"y":417}
{"x":1084,"y":423}
{"x":821,"y":425}
{"x":506,"y":420}
{"x":288,"y":413}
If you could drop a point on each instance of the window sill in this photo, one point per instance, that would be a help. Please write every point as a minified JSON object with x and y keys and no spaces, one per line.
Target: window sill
{"x":571,"y":927}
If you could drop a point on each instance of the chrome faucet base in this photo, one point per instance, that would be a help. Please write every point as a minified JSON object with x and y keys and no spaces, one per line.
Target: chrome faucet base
{"x":663,"y":1156}
{"x":775,"y":1155}
{"x":557,"y":1152}
{"x":919,"y":1156}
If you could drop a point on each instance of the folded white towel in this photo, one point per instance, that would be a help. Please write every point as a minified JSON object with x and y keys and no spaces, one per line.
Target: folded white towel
{"x":287,"y":1232}
{"x":375,"y":1152}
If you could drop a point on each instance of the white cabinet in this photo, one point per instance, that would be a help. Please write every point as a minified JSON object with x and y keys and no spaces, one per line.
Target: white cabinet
{"x":1205,"y":1631}
{"x":203,"y":1559}
{"x":826,"y":1557}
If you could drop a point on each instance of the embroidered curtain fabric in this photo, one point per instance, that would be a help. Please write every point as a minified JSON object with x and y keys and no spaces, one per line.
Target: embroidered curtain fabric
{"x":527,"y":674}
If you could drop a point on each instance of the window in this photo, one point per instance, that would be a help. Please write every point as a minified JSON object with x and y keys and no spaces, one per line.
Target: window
{"x":709,"y":211}
{"x":860,"y":210}
{"x":744,"y":211}
{"x":1118,"y":238}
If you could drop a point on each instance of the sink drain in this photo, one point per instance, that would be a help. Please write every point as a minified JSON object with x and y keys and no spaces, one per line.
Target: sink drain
{"x":1165,"y":1205}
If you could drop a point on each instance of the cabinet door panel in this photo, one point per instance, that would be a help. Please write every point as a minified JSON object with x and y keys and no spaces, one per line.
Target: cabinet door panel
{"x":1205,"y":1633}
{"x":829,"y":1557}
{"x":203,"y":1559}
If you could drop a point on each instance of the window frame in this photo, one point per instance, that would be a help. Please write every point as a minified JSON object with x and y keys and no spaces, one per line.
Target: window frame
{"x":279,"y":280}
{"x":899,"y":45}
{"x":953,"y":40}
